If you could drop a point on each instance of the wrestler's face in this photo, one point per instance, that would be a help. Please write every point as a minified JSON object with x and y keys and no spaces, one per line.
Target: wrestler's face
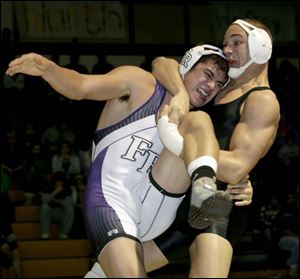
{"x":235,"y":46}
{"x":203,"y":82}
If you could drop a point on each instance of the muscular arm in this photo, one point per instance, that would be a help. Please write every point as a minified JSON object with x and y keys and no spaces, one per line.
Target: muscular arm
{"x":162,"y":69}
{"x":252,"y":137}
{"x":166,"y":72}
{"x":73,"y":85}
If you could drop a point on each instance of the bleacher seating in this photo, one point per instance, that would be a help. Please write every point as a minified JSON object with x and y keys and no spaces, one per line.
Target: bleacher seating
{"x":73,"y":257}
{"x":51,"y":258}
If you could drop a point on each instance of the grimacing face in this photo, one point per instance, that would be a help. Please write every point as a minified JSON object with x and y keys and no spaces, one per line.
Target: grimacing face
{"x":203,"y":82}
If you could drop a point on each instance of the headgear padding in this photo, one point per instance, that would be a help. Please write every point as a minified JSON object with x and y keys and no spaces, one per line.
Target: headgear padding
{"x":194,"y":54}
{"x":259,"y":42}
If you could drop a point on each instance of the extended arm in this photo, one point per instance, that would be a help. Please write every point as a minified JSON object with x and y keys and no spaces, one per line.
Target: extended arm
{"x":78,"y":86}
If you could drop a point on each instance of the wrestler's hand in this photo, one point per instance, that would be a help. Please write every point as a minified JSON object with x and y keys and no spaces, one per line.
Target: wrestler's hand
{"x":168,"y":131}
{"x":31,"y":64}
{"x":178,"y":107}
{"x":164,"y":111}
{"x":166,"y":71}
{"x":242,"y":192}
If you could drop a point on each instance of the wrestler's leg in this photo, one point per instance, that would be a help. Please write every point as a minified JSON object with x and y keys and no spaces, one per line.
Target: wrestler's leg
{"x":170,"y":170}
{"x":153,"y":259}
{"x":176,"y":179}
{"x":170,"y":246}
{"x":200,"y":154}
{"x":210,"y":256}
{"x":170,"y":173}
{"x":95,"y":272}
{"x":123,"y":257}
{"x":153,"y":256}
{"x":199,"y":137}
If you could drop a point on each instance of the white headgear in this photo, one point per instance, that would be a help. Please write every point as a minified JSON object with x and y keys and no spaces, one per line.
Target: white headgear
{"x":194,"y":54}
{"x":259,"y":44}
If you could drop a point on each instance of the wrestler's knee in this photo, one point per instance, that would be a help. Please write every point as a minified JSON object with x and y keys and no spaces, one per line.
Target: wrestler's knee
{"x":196,"y":120}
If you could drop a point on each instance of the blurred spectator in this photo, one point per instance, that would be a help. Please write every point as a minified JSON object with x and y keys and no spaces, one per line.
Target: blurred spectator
{"x":102,"y":66}
{"x":67,"y":161}
{"x":57,"y":206}
{"x":288,"y":155}
{"x":79,"y":185}
{"x":85,"y":155}
{"x":30,"y":136}
{"x":78,"y":188}
{"x":289,"y":240}
{"x":10,"y":261}
{"x":288,"y":77}
{"x":12,"y":160}
{"x":67,"y":133}
{"x":286,"y":127}
{"x":75,"y":65}
{"x":147,"y":64}
{"x":51,"y":139}
{"x":269,"y":219}
{"x":37,"y":170}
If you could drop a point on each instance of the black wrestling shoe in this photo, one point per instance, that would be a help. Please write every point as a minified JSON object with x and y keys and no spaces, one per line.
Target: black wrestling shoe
{"x":207,"y":204}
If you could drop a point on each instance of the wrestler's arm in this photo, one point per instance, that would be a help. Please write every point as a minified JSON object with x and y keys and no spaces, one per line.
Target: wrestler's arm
{"x":73,"y":85}
{"x":166,"y":72}
{"x":251,"y":138}
{"x":162,"y":69}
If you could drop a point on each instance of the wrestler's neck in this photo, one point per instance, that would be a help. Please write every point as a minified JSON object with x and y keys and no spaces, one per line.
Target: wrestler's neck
{"x":256,"y":75}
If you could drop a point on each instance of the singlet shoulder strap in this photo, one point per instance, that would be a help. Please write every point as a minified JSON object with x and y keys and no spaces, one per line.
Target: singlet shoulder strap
{"x":258,"y":88}
{"x":244,"y":96}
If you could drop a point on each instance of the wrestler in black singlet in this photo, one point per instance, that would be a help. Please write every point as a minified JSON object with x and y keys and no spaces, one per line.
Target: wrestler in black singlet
{"x":224,"y":117}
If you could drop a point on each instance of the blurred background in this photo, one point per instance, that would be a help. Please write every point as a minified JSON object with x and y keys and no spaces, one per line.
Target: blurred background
{"x":96,"y":36}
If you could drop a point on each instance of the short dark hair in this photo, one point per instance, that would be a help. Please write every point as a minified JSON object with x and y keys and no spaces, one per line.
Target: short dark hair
{"x":221,"y":62}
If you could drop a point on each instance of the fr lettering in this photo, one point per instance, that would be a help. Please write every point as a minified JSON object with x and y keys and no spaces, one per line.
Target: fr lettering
{"x":141,"y":147}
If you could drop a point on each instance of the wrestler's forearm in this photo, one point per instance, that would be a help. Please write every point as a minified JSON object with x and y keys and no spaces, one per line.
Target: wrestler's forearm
{"x":232,"y":168}
{"x":65,"y":81}
{"x":166,"y":72}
